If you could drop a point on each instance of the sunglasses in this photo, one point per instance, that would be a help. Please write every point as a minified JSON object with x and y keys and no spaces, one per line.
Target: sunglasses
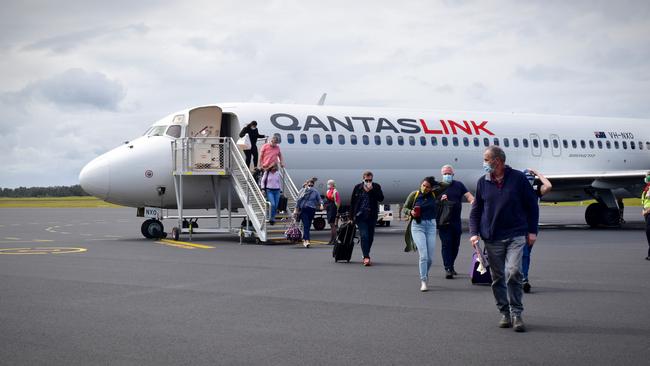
{"x":310,"y":185}
{"x":368,"y":180}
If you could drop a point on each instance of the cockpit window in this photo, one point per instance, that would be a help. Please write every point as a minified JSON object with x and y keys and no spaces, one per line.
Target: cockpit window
{"x":156,"y":131}
{"x":174,"y":131}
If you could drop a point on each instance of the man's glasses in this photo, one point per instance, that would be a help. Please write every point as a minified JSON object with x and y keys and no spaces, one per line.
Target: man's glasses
{"x":310,"y":185}
{"x":368,"y":180}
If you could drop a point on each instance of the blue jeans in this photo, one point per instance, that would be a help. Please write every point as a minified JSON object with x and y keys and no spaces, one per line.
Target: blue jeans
{"x":505,"y":266}
{"x":450,"y":242}
{"x":366,"y":234}
{"x":424,"y":236}
{"x":307,"y":216}
{"x":273,"y":195}
{"x":525,"y":261}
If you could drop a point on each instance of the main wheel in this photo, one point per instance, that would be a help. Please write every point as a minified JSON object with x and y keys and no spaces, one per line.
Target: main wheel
{"x":594,"y":214}
{"x":611,"y":217}
{"x":319,"y":223}
{"x":176,"y":233}
{"x":152,"y":229}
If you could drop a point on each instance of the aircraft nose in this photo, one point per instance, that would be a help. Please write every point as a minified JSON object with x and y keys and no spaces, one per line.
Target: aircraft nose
{"x":94,"y":178}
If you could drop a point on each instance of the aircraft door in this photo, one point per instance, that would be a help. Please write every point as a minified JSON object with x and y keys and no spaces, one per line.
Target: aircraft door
{"x":535,"y":145}
{"x":204,"y":122}
{"x":556,"y":148}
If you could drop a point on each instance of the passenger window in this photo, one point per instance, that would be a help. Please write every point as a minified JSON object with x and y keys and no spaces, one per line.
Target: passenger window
{"x":411,"y":140}
{"x":444,"y":140}
{"x":389,"y":140}
{"x":423,"y":141}
{"x":574,"y":144}
{"x":365,"y":139}
{"x":496,"y":141}
{"x":486,"y":142}
{"x":600,"y":144}
{"x":591,"y":144}
{"x":303,"y":138}
{"x":565,"y":143}
{"x":640,"y":145}
{"x":465,"y":141}
{"x":434,"y":141}
{"x":377,"y":140}
{"x":454,"y":141}
{"x":647,"y":145}
{"x":290,"y":138}
{"x":328,"y":139}
{"x":525,"y":142}
{"x":515,"y":142}
{"x":506,"y":142}
{"x":556,"y":143}
{"x":625,"y":144}
{"x":174,"y":131}
{"x":582,"y":144}
{"x":400,"y":140}
{"x":353,"y":139}
{"x":535,"y":143}
{"x":545,"y":142}
{"x":341,"y":139}
{"x":476,"y":141}
{"x":616,"y":144}
{"x":608,"y":144}
{"x":316,"y":139}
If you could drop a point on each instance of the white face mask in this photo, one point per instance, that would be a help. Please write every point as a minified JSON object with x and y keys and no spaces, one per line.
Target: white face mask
{"x":447,"y":178}
{"x":487,"y":167}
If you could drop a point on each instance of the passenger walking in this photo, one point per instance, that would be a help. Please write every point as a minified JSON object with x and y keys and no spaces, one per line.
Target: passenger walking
{"x":308,"y":202}
{"x":505,"y":215}
{"x":420,"y":206}
{"x":332,"y":205}
{"x":253,"y":135}
{"x":271,"y":183}
{"x":364,"y":208}
{"x":645,"y":202}
{"x":540,"y":190}
{"x":270,"y":154}
{"x":450,"y":233}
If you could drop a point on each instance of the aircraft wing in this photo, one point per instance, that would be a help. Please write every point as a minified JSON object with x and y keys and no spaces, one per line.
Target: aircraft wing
{"x":625,"y":183}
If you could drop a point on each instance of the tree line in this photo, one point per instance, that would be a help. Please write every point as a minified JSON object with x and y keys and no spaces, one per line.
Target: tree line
{"x":56,"y":191}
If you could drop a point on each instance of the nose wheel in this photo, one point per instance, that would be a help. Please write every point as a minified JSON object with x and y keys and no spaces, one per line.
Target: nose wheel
{"x":153,"y":229}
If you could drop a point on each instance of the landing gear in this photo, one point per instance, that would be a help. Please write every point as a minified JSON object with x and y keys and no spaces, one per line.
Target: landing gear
{"x":319,"y":223}
{"x":153,"y":229}
{"x":598,"y":214}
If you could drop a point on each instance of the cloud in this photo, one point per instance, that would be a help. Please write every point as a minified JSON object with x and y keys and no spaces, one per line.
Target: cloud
{"x":77,"y":88}
{"x":69,"y":41}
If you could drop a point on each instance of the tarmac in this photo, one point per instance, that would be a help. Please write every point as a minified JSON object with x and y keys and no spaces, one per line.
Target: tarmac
{"x":83,"y":287}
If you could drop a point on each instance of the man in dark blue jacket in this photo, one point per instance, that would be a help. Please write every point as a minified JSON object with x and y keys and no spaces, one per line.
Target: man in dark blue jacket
{"x":505,"y":215}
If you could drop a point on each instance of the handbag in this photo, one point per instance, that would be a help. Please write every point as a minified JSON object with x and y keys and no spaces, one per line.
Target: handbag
{"x":443,"y":212}
{"x":244,"y":142}
{"x":293,"y":232}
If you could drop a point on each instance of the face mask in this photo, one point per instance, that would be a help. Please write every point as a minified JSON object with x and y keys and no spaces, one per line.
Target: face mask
{"x":647,"y":179}
{"x":487,"y":167}
{"x":447,"y":178}
{"x":253,"y":128}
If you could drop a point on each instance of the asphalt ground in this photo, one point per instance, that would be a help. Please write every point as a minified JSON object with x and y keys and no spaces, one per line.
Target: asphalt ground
{"x":119,"y":299}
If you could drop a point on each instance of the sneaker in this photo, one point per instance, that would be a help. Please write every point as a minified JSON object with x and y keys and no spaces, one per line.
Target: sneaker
{"x":449,"y":274}
{"x":518,"y":324}
{"x":505,"y":321}
{"x":527,"y":287}
{"x":423,"y":286}
{"x":305,"y":243}
{"x":366,"y":262}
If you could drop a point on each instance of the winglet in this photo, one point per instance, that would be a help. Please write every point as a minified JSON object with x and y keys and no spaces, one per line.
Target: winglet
{"x":321,"y":101}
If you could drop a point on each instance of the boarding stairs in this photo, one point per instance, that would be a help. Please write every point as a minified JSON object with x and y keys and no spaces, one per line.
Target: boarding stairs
{"x":220,"y":159}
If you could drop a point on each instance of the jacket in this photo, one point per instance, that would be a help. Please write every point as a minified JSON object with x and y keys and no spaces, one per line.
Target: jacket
{"x":376,"y":195}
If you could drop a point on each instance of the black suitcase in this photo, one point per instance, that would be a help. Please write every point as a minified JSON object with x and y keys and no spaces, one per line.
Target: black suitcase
{"x":282,"y":204}
{"x":477,"y":277}
{"x":345,"y":239}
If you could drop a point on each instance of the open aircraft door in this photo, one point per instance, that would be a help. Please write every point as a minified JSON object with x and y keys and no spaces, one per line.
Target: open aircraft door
{"x":204,"y":122}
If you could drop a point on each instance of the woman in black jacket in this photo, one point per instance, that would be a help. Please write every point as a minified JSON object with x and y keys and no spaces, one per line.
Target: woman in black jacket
{"x":253,"y":134}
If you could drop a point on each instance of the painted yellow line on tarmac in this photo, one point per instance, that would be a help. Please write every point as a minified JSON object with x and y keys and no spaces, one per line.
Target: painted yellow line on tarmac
{"x":11,"y":238}
{"x":184,"y":243}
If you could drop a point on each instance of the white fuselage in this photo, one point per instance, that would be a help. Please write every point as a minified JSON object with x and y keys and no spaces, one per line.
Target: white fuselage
{"x":399,"y":146}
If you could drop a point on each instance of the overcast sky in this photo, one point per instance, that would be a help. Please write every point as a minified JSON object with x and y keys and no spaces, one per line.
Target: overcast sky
{"x":80,"y":77}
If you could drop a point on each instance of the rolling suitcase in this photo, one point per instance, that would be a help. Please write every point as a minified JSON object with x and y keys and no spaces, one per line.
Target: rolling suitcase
{"x":477,"y":277}
{"x":345,"y":238}
{"x":282,"y":204}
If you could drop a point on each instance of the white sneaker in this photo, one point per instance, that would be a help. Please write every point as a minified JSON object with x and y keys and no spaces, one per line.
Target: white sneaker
{"x":423,"y":286}
{"x":305,"y":243}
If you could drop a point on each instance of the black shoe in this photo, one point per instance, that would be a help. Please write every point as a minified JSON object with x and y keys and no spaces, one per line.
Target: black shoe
{"x":449,"y":275}
{"x":527,"y":287}
{"x":505,"y":321}
{"x":271,"y":222}
{"x":518,"y":324}
{"x":647,"y":258}
{"x":453,"y":271}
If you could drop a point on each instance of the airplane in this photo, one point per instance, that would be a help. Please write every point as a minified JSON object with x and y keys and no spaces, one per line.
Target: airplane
{"x":584,"y":157}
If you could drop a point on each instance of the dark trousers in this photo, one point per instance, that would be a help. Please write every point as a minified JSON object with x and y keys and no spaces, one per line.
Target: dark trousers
{"x":307,"y":216}
{"x":252,"y":153}
{"x":450,"y":239}
{"x":647,"y":231}
{"x":367,"y":235}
